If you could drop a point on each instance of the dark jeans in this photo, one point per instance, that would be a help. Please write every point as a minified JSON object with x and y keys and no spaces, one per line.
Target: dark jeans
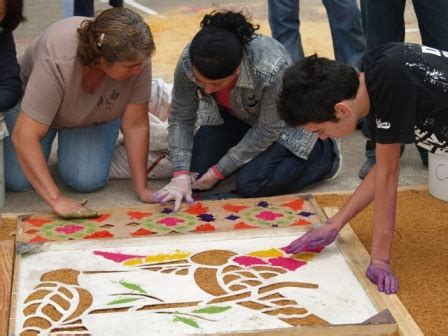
{"x":273,"y":172}
{"x":86,"y":7}
{"x":384,"y":22}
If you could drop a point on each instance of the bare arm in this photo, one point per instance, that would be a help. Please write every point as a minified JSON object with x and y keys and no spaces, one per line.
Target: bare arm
{"x":26,"y":139}
{"x":386,"y":183}
{"x":135,"y":127}
{"x":380,"y":186}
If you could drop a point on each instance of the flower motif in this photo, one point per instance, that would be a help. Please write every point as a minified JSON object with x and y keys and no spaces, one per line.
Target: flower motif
{"x":171,"y":221}
{"x":69,"y":228}
{"x":268,"y":215}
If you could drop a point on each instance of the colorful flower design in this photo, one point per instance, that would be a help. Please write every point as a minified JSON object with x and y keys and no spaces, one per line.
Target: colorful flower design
{"x":65,"y":230}
{"x":273,"y":216}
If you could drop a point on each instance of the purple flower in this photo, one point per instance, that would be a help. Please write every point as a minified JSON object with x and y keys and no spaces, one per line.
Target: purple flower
{"x":263,"y":204}
{"x":232,"y":217}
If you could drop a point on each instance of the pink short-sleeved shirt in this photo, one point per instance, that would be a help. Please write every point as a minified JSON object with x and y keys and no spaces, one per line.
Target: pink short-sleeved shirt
{"x":51,"y":73}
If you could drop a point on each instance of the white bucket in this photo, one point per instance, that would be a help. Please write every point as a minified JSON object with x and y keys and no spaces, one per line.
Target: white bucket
{"x":438,"y":176}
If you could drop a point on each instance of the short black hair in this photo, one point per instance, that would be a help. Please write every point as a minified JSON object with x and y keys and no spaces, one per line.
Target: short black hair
{"x":14,"y":15}
{"x":312,"y":87}
{"x":216,"y":50}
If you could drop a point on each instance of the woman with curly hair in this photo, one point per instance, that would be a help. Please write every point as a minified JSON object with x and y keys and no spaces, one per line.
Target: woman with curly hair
{"x":226,"y":82}
{"x":84,"y":79}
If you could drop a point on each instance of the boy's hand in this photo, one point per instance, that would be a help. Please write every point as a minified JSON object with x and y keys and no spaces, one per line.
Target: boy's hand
{"x":380,"y":273}
{"x":313,"y":239}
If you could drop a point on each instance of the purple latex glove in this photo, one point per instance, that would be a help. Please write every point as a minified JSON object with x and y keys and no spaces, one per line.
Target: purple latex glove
{"x":313,"y":239}
{"x":381,"y":275}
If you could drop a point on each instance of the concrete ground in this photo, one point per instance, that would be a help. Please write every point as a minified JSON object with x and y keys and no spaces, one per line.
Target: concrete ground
{"x":315,"y":35}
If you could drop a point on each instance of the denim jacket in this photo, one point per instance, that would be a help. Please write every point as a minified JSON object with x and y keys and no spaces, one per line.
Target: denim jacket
{"x":253,"y":100}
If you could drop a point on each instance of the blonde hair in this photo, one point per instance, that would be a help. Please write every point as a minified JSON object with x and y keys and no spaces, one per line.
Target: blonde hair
{"x":116,"y":34}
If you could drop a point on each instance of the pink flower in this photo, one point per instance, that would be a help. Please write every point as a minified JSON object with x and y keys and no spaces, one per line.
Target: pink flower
{"x":171,"y":221}
{"x":69,"y":228}
{"x":268,"y":215}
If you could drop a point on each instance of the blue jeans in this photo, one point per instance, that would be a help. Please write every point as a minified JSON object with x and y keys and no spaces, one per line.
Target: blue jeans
{"x":84,"y":155}
{"x":384,"y":22}
{"x":273,"y":172}
{"x":345,"y":24}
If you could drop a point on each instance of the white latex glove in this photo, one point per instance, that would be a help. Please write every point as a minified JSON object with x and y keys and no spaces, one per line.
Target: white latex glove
{"x":178,"y":189}
{"x":207,"y":181}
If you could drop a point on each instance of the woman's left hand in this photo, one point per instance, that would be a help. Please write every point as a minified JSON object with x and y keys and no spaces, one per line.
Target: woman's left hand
{"x":206,"y":181}
{"x":147,"y":196}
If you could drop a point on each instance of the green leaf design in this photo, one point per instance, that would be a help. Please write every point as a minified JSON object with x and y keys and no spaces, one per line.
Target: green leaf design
{"x":132,"y":286}
{"x":190,"y":322}
{"x":211,"y":310}
{"x":120,"y":301}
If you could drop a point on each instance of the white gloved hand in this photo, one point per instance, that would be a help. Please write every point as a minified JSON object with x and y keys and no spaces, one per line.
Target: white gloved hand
{"x":207,"y":181}
{"x":178,"y":189}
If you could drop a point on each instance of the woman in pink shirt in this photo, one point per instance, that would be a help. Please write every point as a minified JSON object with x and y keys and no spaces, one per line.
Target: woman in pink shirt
{"x":84,"y":79}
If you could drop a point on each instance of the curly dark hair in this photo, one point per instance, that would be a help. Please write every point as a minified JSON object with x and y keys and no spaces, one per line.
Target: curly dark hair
{"x":217,"y":49}
{"x":116,"y":34}
{"x":312,"y":87}
{"x":13,"y":14}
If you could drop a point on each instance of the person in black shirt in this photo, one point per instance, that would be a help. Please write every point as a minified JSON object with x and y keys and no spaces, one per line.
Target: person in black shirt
{"x":403,"y":91}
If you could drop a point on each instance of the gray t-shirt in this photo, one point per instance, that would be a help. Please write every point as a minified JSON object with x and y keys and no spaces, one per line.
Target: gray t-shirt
{"x":51,"y":73}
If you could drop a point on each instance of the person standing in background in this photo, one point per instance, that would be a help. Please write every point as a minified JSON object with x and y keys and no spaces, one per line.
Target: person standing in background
{"x":383,"y":23}
{"x":345,"y":24}
{"x":84,"y":7}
